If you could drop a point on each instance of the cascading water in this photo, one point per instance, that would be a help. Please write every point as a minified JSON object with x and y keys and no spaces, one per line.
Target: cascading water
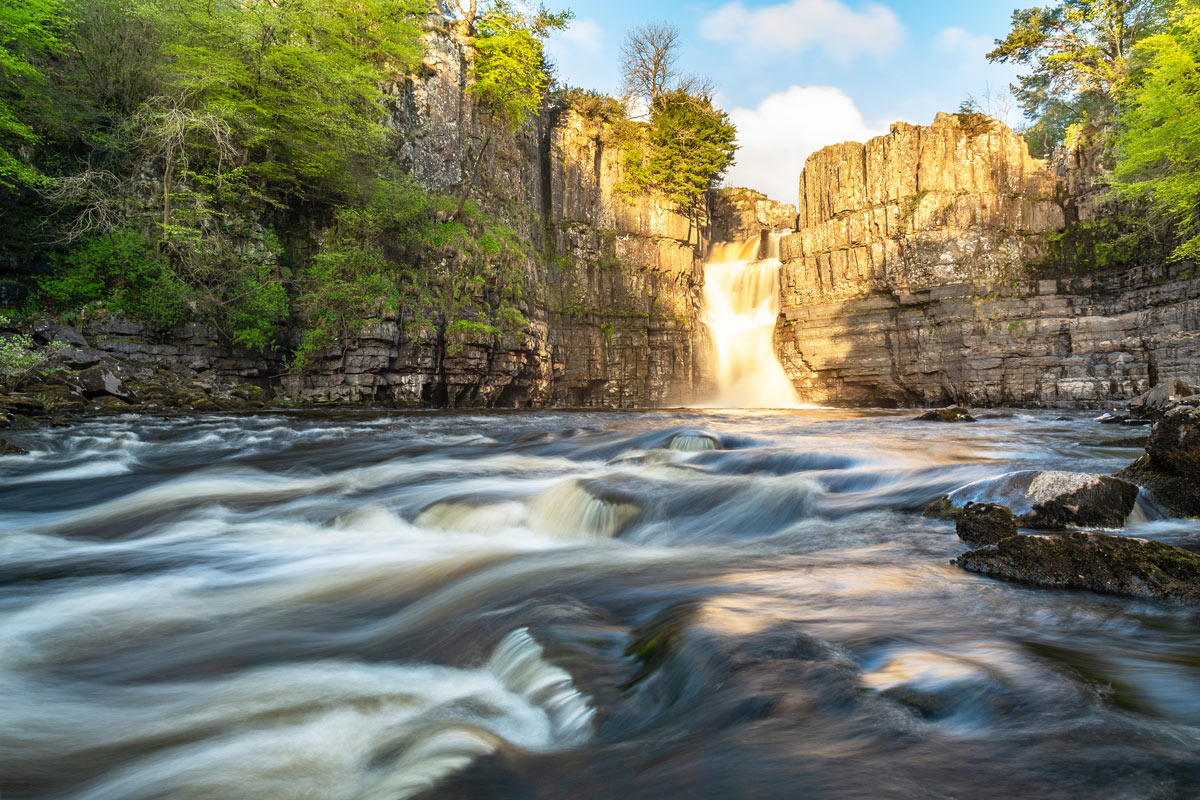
{"x":741,"y":306}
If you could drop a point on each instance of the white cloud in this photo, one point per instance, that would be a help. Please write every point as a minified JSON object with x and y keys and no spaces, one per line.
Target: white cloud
{"x":786,"y":129}
{"x":972,"y":48}
{"x":586,"y":35}
{"x":831,"y":26}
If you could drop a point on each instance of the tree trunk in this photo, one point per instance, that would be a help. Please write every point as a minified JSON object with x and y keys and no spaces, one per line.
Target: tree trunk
{"x":462,"y":201}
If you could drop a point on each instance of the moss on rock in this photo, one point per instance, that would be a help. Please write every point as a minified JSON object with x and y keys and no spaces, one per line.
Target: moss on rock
{"x":1110,"y":564}
{"x":985,"y":523}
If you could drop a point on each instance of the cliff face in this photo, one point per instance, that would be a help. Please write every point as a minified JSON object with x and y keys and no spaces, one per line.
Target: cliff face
{"x":739,"y":214}
{"x":918,"y":276}
{"x":612,"y":280}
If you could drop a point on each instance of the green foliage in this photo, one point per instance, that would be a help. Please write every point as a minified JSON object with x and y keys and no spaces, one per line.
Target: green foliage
{"x":403,"y":252}
{"x":591,"y":105}
{"x":510,"y":66}
{"x":20,"y":358}
{"x":1078,"y":53}
{"x":29,"y":31}
{"x":1158,"y":144}
{"x":1098,"y":245}
{"x":285,"y":92}
{"x":121,"y":271}
{"x":690,"y":145}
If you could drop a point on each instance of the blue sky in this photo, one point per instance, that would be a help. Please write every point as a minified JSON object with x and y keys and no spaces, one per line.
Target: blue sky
{"x":797,"y":75}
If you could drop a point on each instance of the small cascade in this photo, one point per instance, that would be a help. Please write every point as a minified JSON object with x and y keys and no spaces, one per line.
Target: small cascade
{"x":741,"y":307}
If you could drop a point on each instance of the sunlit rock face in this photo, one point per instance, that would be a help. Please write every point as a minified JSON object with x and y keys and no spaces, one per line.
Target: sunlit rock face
{"x":612,"y":279}
{"x":918,"y":276}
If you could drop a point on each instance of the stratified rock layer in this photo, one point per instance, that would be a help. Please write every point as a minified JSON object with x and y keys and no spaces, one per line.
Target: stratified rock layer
{"x":914,"y":280}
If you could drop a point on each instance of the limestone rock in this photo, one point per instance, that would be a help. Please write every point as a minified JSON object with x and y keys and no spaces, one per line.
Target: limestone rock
{"x":1055,"y":500}
{"x":1159,"y":400}
{"x":1080,"y":500}
{"x":739,"y":214}
{"x":1174,"y":444}
{"x":950,"y":414}
{"x":98,"y":381}
{"x":913,"y":280}
{"x":1170,"y":470}
{"x":985,"y":523}
{"x":1098,"y":562}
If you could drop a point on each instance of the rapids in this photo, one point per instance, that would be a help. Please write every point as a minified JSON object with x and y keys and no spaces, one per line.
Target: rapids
{"x":691,"y":604}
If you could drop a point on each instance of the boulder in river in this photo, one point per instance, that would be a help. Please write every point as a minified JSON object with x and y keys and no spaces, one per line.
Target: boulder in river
{"x":1101,"y":563}
{"x":7,"y":448}
{"x":951,"y":414}
{"x":1055,"y":500}
{"x":1080,"y":500}
{"x":1170,"y":470}
{"x":1161,"y":399}
{"x":985,"y":523}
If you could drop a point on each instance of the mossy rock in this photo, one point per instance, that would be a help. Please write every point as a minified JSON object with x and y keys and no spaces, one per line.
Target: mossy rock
{"x":1178,"y":495}
{"x":951,"y":414}
{"x":985,"y":523}
{"x":1101,"y":502}
{"x":1174,"y":444}
{"x":1098,"y":562}
{"x":7,"y":448}
{"x":941,"y":508}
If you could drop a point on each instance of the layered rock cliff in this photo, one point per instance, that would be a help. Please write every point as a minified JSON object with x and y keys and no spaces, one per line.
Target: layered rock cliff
{"x":922,"y":273}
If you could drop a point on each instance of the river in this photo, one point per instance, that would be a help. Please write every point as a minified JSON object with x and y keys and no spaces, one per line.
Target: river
{"x":676,"y":604}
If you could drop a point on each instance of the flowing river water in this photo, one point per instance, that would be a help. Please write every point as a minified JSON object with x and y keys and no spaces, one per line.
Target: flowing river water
{"x":676,"y":604}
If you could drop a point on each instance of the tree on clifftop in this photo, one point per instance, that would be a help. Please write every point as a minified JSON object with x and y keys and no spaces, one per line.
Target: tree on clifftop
{"x":510,"y":75}
{"x":690,"y":141}
{"x":1078,"y":51}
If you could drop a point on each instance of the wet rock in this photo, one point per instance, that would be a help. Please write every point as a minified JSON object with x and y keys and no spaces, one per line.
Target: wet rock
{"x":1080,"y":500}
{"x":20,"y":405}
{"x":942,"y":508}
{"x":1055,"y":500}
{"x":985,"y":523}
{"x":951,"y":414}
{"x":7,"y":448}
{"x":1098,"y":562}
{"x":1170,"y":470}
{"x":1174,"y":443}
{"x":1116,"y":418}
{"x":98,"y":381}
{"x":1159,"y":400}
{"x":1175,"y":494}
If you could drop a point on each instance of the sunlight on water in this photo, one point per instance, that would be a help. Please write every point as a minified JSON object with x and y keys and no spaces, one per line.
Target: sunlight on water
{"x":741,"y":307}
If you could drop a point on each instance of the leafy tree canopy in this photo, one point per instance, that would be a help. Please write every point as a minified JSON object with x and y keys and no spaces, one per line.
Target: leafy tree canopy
{"x":29,"y":30}
{"x":1158,"y":144}
{"x":1078,"y":54}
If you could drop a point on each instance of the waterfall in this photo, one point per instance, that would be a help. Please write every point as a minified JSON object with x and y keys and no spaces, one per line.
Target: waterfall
{"x":741,"y":307}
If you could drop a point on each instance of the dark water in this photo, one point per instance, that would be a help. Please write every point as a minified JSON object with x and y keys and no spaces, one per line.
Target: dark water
{"x":564,"y":605}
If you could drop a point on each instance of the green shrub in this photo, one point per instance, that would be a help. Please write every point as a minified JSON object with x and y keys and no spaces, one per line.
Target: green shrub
{"x":121,"y":271}
{"x":20,"y":358}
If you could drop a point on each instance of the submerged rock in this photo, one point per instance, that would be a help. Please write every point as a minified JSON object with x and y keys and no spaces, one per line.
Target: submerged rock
{"x":7,"y":448}
{"x":985,"y":523}
{"x":1101,"y":563}
{"x":1170,"y":470}
{"x":1055,"y":500}
{"x":951,"y":414}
